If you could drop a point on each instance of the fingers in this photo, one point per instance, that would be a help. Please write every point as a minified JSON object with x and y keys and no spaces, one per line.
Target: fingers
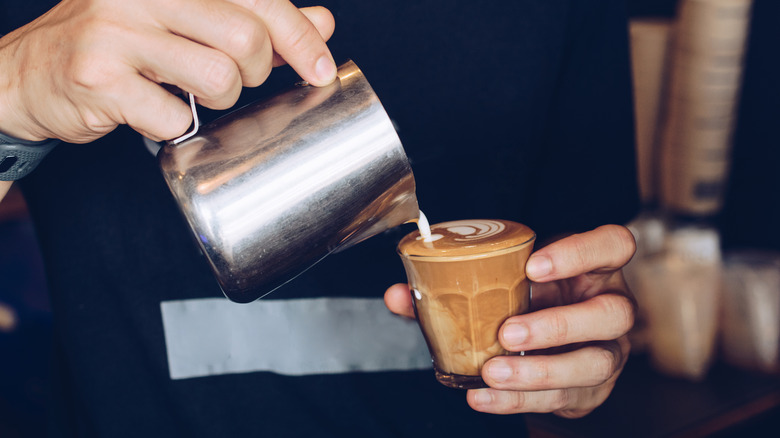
{"x":399,"y":300}
{"x":154,"y":112}
{"x":593,"y":313}
{"x":591,"y":365}
{"x":207,"y":73}
{"x":104,"y":94}
{"x":569,"y":403}
{"x":606,"y":248}
{"x":296,"y":39}
{"x":233,"y":31}
{"x":569,"y":384}
{"x":493,"y":401}
{"x":250,"y":31}
{"x":322,"y":20}
{"x":601,"y":318}
{"x":227,"y":46}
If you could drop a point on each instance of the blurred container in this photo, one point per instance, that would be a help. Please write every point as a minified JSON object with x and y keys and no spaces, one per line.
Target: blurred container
{"x":680,"y":289}
{"x":700,"y":108}
{"x":750,"y":312}
{"x":650,"y":42}
{"x":649,"y":231}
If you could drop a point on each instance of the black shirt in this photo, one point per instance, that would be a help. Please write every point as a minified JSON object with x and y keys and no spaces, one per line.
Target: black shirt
{"x":517,"y":110}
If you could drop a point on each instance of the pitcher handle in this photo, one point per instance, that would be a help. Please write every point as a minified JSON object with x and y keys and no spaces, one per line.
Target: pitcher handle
{"x":195,"y":122}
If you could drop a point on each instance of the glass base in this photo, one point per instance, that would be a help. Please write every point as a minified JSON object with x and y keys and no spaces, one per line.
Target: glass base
{"x":458,"y":381}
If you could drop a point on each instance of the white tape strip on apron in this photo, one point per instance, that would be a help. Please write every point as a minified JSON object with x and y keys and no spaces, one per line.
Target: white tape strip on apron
{"x":207,"y":337}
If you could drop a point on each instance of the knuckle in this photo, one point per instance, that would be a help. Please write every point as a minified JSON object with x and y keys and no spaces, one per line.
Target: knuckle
{"x":245,"y":37}
{"x":172,"y":120}
{"x":605,"y":364}
{"x":626,"y":315}
{"x":258,"y":75}
{"x":560,"y":400}
{"x":559,"y":329}
{"x":519,"y":402}
{"x":85,"y":71}
{"x":92,"y":121}
{"x":625,"y":235}
{"x":179,"y":122}
{"x":86,"y":64}
{"x":573,"y":413}
{"x":583,"y":252}
{"x":625,"y":241}
{"x":540,"y":374}
{"x":259,"y":5}
{"x":219,"y":77}
{"x":621,"y":311}
{"x":300,"y":40}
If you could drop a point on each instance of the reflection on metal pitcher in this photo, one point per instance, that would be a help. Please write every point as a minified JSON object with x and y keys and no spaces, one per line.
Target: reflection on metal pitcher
{"x":274,"y":187}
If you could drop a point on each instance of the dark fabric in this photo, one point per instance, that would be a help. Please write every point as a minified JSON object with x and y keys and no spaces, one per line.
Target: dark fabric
{"x":652,"y":8}
{"x":16,"y":13}
{"x":518,"y":110}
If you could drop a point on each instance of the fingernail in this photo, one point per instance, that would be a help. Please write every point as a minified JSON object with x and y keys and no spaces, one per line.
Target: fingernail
{"x":538,"y":266}
{"x":515,"y":334}
{"x":499,"y":371}
{"x":483,"y":397}
{"x":325,"y":69}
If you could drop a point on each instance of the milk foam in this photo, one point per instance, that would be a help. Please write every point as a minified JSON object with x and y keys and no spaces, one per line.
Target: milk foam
{"x":477,"y":229}
{"x":464,"y":237}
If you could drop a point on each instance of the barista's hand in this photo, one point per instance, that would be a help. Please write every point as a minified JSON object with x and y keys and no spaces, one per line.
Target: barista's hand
{"x":86,"y":66}
{"x":576,"y":344}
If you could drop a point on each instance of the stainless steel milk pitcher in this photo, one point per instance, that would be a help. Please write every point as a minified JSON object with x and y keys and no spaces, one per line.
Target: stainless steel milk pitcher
{"x":271,"y":189}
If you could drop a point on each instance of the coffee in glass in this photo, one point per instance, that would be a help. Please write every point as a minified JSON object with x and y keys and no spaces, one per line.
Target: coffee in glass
{"x":466,"y":279}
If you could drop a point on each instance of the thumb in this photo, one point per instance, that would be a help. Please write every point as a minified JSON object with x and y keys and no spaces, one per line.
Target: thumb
{"x":398,"y":300}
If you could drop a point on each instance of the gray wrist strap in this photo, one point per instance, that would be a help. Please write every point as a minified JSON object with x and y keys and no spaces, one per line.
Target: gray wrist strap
{"x":19,"y":157}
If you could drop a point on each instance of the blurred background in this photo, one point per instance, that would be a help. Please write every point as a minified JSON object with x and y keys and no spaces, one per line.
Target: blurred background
{"x":25,"y":324}
{"x":706,"y":346}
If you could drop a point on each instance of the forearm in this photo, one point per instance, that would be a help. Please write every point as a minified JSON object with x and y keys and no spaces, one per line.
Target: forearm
{"x":22,"y":142}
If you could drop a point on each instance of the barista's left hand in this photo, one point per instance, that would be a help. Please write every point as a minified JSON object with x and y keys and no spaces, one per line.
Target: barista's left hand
{"x":576,"y":343}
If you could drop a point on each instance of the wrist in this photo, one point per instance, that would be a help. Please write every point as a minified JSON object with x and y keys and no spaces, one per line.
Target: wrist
{"x":17,"y":132}
{"x":13,"y":121}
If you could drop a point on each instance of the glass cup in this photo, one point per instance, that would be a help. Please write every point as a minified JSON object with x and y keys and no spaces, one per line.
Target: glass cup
{"x":681,"y":292}
{"x":466,"y":280}
{"x":750,"y":310}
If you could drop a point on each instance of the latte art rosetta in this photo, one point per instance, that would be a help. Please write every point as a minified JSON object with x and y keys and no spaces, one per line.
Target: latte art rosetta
{"x":477,"y":229}
{"x":464,"y":237}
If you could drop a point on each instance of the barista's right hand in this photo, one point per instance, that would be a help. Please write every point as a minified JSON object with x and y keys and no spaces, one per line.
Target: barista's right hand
{"x":87,"y":66}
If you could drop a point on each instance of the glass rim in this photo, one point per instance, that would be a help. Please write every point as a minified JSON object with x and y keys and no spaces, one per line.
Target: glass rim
{"x":460,"y":257}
